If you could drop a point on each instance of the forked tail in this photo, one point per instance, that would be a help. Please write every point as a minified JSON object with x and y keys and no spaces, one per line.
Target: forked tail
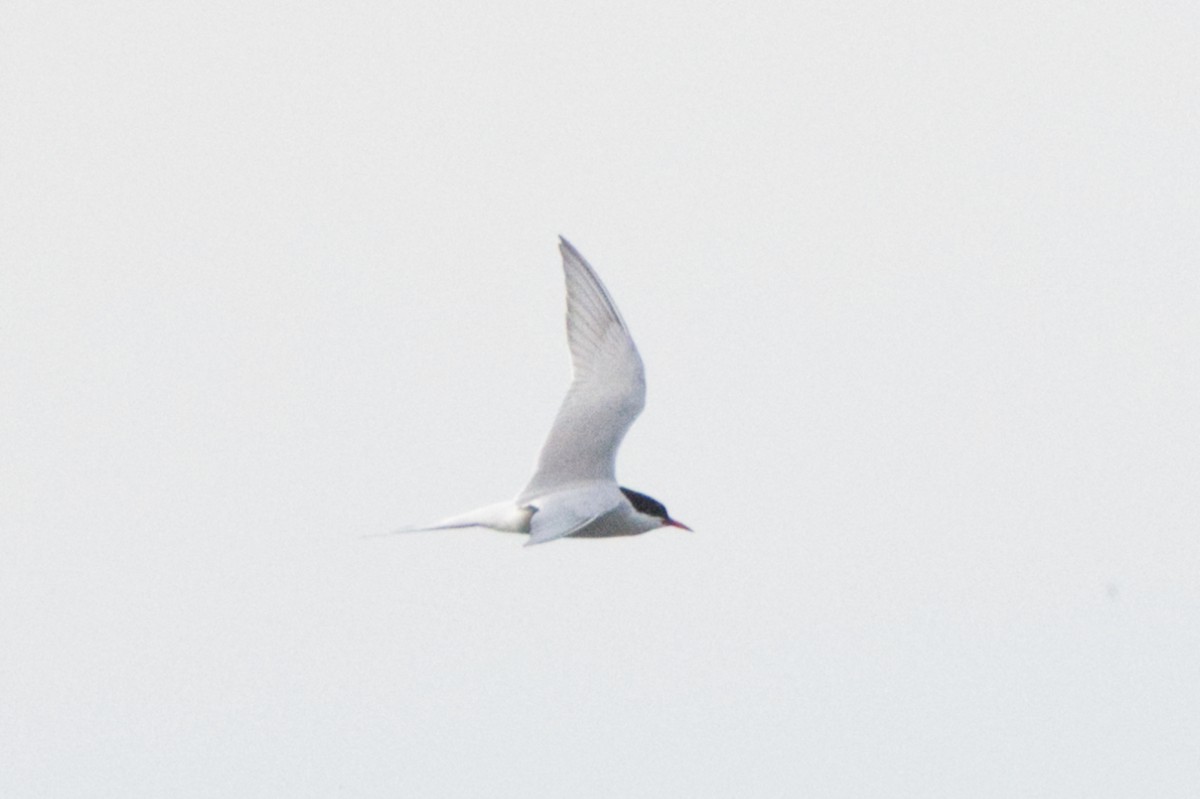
{"x":503,"y":516}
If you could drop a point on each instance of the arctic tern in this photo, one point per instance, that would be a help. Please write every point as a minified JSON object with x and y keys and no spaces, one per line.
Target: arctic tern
{"x":574,"y":491}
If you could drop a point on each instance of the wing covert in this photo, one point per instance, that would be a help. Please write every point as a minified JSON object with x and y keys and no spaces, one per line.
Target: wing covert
{"x":567,"y":512}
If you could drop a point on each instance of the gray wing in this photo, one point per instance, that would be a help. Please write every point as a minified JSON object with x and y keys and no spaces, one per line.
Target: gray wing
{"x":607,"y":393}
{"x":565,"y":513}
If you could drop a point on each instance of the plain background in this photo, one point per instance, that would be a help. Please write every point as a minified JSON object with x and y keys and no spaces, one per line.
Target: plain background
{"x":917,"y":289}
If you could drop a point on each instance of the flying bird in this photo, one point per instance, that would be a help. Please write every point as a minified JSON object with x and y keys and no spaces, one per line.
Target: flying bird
{"x":574,"y":490}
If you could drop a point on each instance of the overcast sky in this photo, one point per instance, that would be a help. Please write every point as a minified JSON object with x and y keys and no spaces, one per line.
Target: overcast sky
{"x":917,"y":292}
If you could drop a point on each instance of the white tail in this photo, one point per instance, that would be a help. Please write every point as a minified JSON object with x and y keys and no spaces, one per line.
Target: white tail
{"x":503,"y":516}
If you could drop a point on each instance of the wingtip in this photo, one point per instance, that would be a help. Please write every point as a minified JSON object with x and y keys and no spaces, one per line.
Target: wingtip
{"x":567,"y":248}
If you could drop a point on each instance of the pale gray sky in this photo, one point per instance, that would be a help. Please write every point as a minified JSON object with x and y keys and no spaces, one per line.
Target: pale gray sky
{"x":917,"y":292}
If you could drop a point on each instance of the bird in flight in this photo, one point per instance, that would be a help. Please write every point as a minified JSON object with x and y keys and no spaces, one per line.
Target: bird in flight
{"x":574,"y":490}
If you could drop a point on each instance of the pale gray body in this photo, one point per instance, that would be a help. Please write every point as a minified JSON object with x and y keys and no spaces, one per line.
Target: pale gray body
{"x":574,"y":491}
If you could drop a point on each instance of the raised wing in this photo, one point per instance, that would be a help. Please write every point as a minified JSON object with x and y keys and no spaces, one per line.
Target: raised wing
{"x":606,"y":395}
